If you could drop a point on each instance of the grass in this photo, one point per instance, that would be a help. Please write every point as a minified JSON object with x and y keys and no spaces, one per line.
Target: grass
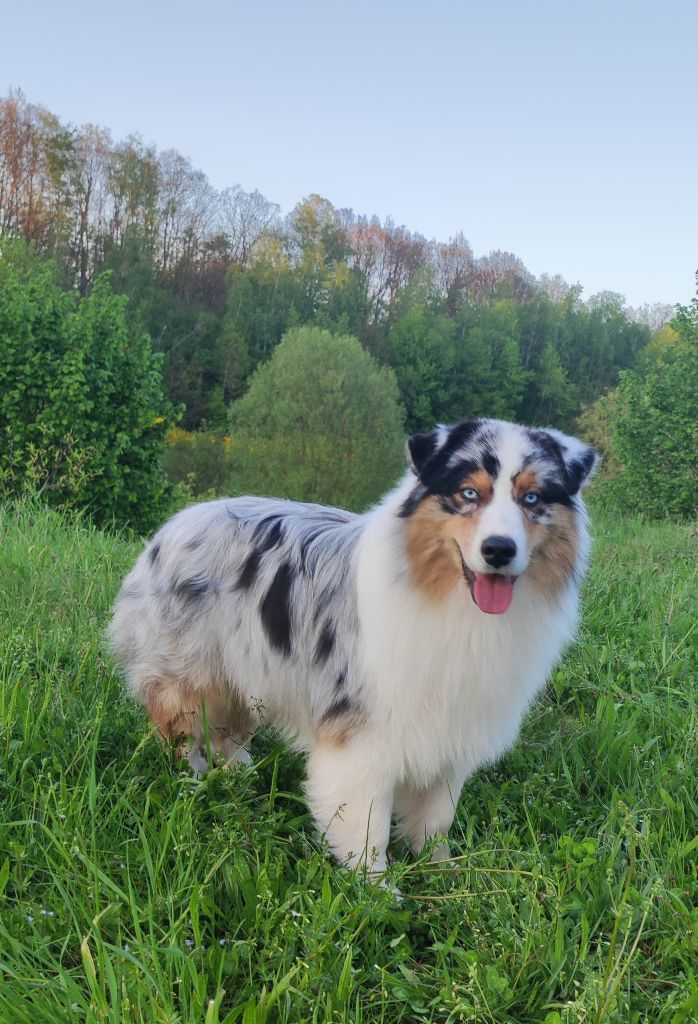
{"x":130,"y":892}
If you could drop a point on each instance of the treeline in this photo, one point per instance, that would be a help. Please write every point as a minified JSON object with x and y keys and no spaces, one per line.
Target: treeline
{"x":218,"y":277}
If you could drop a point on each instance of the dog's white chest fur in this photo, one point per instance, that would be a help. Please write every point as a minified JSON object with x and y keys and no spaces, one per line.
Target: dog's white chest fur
{"x":448,"y":684}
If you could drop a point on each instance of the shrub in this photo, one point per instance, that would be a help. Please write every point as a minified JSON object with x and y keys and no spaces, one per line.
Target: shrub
{"x":655,"y":426}
{"x":82,"y":412}
{"x":320,"y":422}
{"x":199,"y":459}
{"x":596,"y":426}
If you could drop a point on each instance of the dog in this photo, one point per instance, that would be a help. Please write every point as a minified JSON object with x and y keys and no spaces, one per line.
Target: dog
{"x":399,"y":649}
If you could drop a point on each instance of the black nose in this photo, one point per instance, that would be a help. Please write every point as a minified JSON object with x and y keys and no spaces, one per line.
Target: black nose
{"x":498,"y":551}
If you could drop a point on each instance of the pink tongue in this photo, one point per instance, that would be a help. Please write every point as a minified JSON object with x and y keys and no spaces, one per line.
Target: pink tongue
{"x":492,"y":593}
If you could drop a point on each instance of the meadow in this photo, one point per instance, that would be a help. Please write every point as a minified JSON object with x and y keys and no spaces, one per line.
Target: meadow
{"x":132,"y":893}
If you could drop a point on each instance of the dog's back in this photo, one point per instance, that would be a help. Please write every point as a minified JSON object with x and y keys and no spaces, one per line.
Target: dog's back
{"x":241,"y":602}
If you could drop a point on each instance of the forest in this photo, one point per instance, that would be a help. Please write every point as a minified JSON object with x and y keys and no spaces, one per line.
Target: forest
{"x":212,"y":282}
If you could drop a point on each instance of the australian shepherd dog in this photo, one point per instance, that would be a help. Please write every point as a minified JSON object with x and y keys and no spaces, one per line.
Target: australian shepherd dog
{"x":399,"y":648}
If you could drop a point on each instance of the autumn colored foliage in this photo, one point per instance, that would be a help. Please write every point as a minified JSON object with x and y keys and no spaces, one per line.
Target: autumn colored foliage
{"x":217,"y":278}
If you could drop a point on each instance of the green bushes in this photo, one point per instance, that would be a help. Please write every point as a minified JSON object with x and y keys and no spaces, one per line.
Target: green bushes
{"x":647,"y":427}
{"x":83,"y":417}
{"x":656,"y":432}
{"x":199,"y":461}
{"x":82,"y":412}
{"x":320,"y":422}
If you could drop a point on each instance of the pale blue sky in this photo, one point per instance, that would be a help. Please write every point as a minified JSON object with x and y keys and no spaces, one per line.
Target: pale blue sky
{"x":565,"y":133}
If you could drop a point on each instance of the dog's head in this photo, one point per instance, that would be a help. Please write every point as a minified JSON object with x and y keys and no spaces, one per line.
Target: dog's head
{"x":494,"y":501}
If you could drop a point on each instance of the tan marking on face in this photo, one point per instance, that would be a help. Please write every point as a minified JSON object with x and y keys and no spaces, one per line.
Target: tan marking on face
{"x":460,"y":531}
{"x":435,"y":540}
{"x":434,"y":561}
{"x":482,"y":482}
{"x":554,"y":552}
{"x":524,"y":482}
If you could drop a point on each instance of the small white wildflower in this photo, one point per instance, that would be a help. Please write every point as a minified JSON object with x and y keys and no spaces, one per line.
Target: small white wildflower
{"x":30,"y":917}
{"x":188,"y":942}
{"x":126,"y":947}
{"x":221,"y":942}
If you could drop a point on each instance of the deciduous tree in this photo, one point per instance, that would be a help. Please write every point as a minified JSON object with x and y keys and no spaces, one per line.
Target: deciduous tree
{"x":320,"y":422}
{"x":82,"y":413}
{"x":656,"y":426}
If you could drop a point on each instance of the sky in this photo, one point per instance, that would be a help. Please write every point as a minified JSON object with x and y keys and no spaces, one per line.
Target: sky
{"x":562,"y":132}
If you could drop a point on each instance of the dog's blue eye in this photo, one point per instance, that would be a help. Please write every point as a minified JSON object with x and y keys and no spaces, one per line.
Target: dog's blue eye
{"x":470,"y":494}
{"x":531,"y":499}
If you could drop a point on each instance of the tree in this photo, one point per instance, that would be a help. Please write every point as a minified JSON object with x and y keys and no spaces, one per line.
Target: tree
{"x":82,"y":414}
{"x":421,"y":351}
{"x":264,"y":300}
{"x":556,"y":399}
{"x":217,"y":278}
{"x":244,"y":218}
{"x":453,"y":267}
{"x":320,"y":422}
{"x":87,"y":176}
{"x":315,"y":228}
{"x":490,"y":378}
{"x":656,"y":425}
{"x":388,"y":257}
{"x":655,"y":316}
{"x":32,"y":172}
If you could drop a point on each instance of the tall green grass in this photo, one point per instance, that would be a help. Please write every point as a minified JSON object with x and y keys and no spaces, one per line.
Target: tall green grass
{"x":130,"y":892}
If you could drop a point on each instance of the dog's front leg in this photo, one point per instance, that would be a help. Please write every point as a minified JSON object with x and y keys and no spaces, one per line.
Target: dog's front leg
{"x":351,"y":802}
{"x":423,"y":814}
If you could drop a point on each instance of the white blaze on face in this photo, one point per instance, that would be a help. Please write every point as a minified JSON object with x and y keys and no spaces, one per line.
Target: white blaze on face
{"x":502,"y":516}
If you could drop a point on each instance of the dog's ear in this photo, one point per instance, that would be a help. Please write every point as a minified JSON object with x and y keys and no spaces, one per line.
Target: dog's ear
{"x":419,"y":449}
{"x":580,"y":460}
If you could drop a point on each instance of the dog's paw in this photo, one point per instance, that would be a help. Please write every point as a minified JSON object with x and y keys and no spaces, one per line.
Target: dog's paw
{"x":196,"y":756}
{"x":440,"y":853}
